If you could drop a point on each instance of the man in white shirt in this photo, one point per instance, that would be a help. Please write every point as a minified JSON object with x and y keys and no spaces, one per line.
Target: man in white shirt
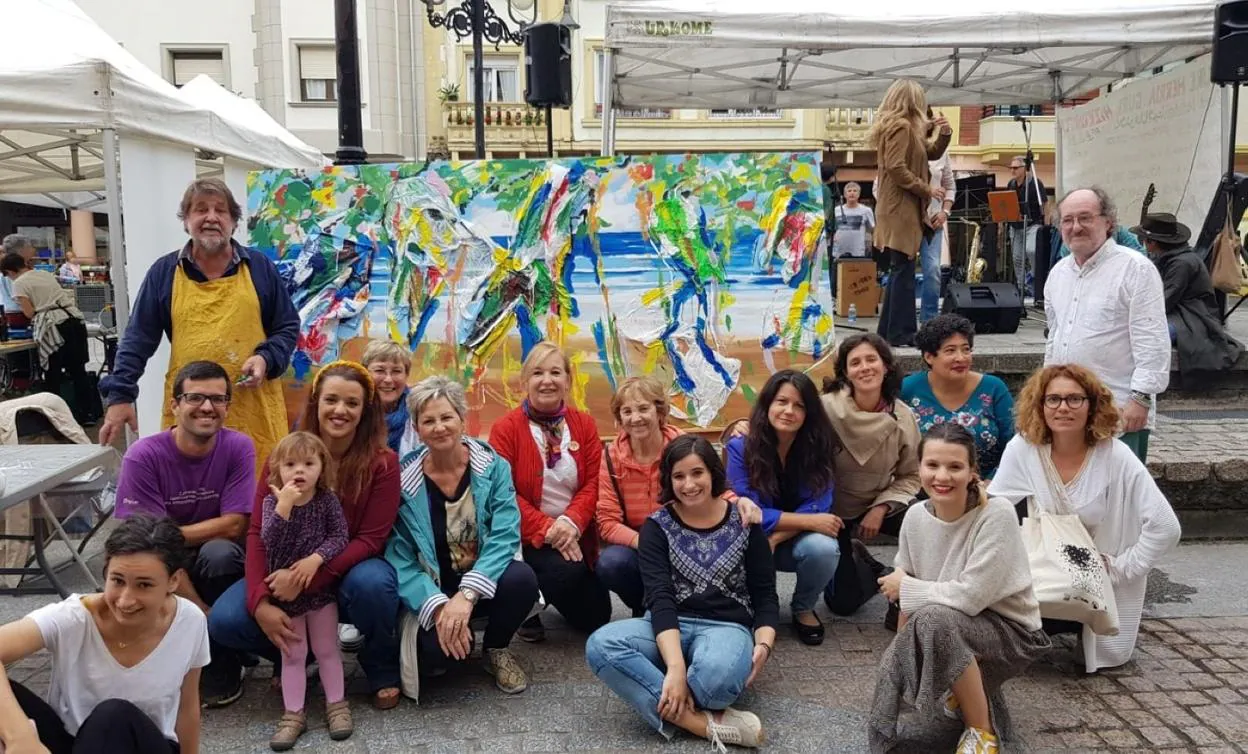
{"x":854,"y":225}
{"x":937,"y":218}
{"x":1106,"y":311}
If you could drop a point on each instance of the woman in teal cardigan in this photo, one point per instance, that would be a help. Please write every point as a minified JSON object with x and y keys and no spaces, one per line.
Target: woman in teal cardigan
{"x":454,"y":544}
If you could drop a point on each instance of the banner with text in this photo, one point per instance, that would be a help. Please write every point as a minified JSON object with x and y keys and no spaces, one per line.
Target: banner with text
{"x":1163,"y":129}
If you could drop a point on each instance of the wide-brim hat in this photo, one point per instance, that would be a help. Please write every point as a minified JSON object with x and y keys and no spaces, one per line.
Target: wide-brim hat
{"x":1163,"y":227}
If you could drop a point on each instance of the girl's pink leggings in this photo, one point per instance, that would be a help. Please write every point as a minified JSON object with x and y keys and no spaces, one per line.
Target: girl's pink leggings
{"x":320,"y":629}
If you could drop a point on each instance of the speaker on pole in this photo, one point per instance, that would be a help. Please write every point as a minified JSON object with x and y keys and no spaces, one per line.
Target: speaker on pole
{"x":548,"y":65}
{"x":1230,"y":43}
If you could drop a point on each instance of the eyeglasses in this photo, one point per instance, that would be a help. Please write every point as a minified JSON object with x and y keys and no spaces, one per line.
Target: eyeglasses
{"x":196,"y":400}
{"x":1081,"y":220}
{"x":1073,"y":400}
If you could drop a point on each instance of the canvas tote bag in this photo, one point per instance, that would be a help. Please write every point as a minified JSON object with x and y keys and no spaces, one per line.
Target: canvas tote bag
{"x":1067,"y":573}
{"x":1225,"y":270}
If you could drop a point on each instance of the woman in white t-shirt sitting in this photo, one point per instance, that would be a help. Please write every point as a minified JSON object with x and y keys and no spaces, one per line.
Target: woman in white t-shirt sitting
{"x":125,"y":663}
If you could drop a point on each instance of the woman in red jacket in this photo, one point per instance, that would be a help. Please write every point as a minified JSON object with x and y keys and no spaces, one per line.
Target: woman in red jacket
{"x":554,"y":452}
{"x":345,"y":412}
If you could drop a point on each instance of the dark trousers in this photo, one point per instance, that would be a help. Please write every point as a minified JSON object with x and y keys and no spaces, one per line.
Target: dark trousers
{"x":897,"y":312}
{"x":216,"y":565}
{"x":619,"y":569}
{"x":504,"y":612}
{"x":115,"y":726}
{"x":571,"y":587}
{"x":66,"y":374}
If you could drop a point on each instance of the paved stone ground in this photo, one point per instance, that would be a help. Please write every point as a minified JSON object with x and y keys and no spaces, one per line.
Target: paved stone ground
{"x":1185,"y":690}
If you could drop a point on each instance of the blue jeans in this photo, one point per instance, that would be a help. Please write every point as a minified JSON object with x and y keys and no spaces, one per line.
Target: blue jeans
{"x":929,"y":261}
{"x":813,"y":557}
{"x":619,"y":569}
{"x":718,"y":657}
{"x":368,"y":598}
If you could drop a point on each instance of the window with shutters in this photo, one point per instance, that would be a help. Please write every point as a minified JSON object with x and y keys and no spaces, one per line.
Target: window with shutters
{"x":318,"y":74}
{"x":187,"y":64}
{"x":501,"y":81}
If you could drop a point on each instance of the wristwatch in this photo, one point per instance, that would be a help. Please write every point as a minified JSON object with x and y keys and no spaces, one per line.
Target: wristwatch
{"x":469,"y":594}
{"x":1144,"y":399}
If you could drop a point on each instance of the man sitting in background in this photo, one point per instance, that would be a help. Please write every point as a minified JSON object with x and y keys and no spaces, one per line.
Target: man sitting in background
{"x":1191,"y":307}
{"x":203,"y":477}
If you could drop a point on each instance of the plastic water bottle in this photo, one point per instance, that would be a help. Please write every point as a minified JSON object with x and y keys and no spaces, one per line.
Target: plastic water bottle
{"x":853,"y":313}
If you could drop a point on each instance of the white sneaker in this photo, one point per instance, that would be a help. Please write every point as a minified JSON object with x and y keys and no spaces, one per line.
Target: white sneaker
{"x":349,"y":638}
{"x":736,"y":727}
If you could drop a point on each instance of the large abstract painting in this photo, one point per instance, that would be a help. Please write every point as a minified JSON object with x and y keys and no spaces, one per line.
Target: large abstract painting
{"x":705,"y":271}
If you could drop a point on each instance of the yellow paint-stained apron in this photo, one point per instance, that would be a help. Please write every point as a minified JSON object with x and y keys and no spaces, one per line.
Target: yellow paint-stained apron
{"x":220,"y":321}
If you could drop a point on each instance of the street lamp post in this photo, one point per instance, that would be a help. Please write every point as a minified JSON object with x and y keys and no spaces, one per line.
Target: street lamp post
{"x":347,"y":58}
{"x":476,"y":18}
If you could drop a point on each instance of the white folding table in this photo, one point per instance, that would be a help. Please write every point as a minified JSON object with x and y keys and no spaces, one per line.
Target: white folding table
{"x":30,"y":473}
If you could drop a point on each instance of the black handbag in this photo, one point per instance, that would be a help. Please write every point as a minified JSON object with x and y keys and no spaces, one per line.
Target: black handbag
{"x":855,"y":579}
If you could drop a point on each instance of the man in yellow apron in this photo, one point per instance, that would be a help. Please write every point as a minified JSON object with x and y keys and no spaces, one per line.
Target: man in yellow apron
{"x":215,"y":300}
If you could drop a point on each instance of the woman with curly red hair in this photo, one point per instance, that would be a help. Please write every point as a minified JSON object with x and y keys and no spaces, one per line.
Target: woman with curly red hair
{"x":1065,"y":456}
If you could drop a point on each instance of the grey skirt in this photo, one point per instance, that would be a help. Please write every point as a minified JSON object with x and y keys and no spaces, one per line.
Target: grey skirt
{"x":932,"y":650}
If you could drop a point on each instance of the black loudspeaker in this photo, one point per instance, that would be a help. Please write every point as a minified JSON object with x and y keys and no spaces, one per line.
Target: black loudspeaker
{"x":993,"y":307}
{"x":548,"y":65}
{"x":1230,"y":43}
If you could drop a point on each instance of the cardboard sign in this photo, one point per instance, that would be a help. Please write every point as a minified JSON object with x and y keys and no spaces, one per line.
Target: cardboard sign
{"x":856,"y":284}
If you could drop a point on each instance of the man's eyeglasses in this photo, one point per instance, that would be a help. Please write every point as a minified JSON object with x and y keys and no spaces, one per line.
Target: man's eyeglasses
{"x":1073,"y":401}
{"x":1082,"y":220}
{"x":197,"y":399}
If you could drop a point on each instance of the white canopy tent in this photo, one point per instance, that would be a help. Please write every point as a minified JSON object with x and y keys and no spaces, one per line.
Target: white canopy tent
{"x":81,"y":119}
{"x":812,"y":53}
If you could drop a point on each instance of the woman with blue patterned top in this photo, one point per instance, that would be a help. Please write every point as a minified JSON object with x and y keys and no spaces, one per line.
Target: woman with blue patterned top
{"x":951,"y":392}
{"x":710,"y":594}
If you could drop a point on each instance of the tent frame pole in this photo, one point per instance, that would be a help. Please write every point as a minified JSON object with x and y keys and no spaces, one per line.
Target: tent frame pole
{"x":608,"y":102}
{"x":116,"y":242}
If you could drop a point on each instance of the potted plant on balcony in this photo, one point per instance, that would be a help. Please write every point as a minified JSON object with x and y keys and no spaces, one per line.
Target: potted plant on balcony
{"x":449,"y":93}
{"x":489,"y":117}
{"x":528,"y":117}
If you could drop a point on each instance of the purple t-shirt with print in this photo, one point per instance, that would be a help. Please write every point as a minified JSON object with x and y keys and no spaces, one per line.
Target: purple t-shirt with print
{"x":157,"y":478}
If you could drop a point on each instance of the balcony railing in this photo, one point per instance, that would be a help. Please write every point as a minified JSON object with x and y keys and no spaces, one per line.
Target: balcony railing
{"x":758,"y":113}
{"x":847,"y":126}
{"x":511,"y":126}
{"x":647,"y":113}
{"x":502,"y":114}
{"x":1009,"y":111}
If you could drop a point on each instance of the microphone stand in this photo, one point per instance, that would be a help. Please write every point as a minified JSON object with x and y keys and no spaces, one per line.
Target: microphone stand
{"x":1028,"y":161}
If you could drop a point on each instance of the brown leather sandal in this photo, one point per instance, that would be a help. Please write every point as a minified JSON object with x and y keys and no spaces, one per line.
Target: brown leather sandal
{"x":384,"y":701}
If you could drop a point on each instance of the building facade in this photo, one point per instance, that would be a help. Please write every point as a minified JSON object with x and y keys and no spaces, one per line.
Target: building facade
{"x":416,"y":83}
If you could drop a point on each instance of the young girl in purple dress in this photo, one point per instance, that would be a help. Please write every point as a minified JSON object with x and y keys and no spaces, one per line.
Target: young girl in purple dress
{"x":303,"y":528}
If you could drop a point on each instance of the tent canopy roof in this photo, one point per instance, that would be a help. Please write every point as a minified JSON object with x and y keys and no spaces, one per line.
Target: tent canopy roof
{"x":63,"y":79}
{"x":813,"y":53}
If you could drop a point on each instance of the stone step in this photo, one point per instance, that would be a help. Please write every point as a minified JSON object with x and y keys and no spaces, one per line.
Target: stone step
{"x":1200,"y":461}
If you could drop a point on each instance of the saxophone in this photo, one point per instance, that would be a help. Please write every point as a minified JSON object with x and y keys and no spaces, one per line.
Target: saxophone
{"x":974,"y":265}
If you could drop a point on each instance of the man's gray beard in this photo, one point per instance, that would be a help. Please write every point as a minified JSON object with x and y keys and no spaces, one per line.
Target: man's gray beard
{"x":212,"y":246}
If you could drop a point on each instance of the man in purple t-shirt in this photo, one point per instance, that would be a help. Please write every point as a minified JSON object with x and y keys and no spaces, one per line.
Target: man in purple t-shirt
{"x":204,"y":478}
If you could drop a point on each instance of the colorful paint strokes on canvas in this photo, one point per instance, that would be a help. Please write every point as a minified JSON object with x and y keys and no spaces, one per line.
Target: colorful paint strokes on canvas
{"x":705,"y":271}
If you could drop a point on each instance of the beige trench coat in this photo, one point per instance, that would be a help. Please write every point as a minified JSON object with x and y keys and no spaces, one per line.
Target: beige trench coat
{"x":904,"y":187}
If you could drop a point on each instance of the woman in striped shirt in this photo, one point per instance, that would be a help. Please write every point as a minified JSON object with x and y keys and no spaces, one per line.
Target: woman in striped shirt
{"x":628,"y":484}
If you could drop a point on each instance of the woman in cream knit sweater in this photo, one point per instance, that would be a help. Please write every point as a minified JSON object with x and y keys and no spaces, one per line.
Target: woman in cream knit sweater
{"x":969,"y":620}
